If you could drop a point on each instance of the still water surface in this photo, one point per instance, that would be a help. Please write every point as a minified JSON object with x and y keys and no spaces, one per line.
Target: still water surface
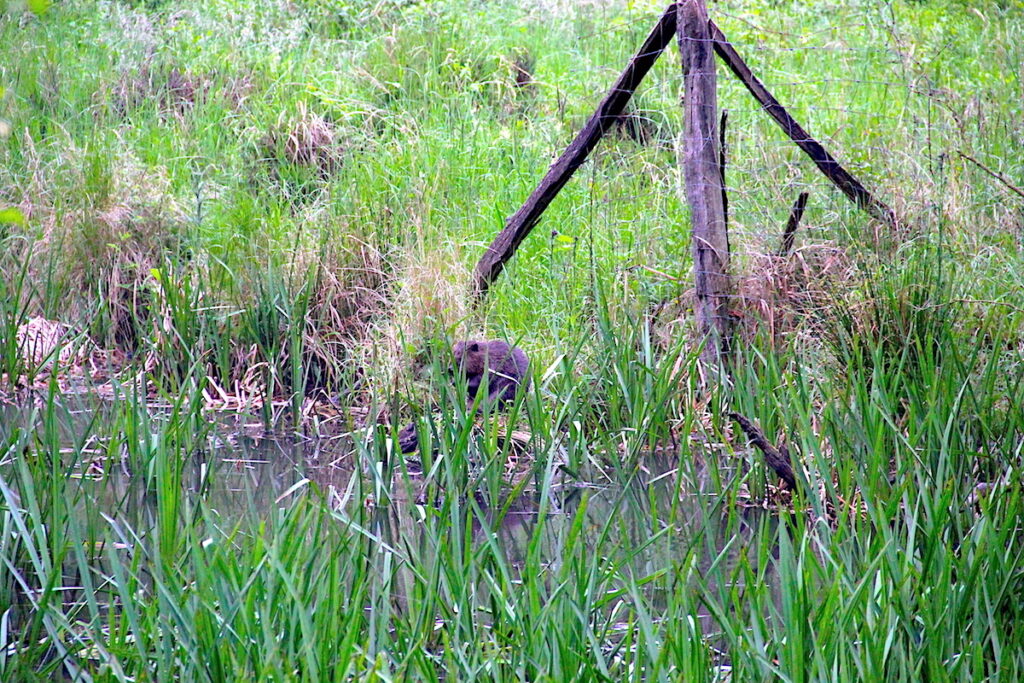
{"x":242,"y":474}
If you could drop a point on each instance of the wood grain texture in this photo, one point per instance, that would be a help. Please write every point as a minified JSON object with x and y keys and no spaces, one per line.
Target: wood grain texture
{"x":703,"y":178}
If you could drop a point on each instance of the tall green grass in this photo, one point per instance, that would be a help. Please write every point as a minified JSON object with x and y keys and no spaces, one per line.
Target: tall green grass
{"x":286,"y":198}
{"x":883,"y":569}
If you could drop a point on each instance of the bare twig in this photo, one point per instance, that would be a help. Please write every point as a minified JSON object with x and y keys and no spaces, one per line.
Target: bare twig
{"x":995,"y":174}
{"x":655,"y":271}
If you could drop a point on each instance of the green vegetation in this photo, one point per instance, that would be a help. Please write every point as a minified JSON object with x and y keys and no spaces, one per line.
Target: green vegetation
{"x":254,"y":217}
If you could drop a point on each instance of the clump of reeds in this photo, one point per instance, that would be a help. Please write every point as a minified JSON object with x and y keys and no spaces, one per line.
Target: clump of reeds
{"x":780,"y":295}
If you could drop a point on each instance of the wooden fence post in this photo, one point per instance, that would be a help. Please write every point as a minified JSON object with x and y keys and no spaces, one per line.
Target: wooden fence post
{"x":704,"y":194}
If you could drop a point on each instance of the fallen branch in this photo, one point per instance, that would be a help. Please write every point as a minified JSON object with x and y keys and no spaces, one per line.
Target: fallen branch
{"x":777,"y":458}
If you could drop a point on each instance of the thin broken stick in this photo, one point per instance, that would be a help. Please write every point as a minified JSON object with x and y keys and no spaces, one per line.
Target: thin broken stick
{"x":995,"y":174}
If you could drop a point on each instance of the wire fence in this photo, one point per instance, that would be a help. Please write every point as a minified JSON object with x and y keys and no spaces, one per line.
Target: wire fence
{"x":874,"y":106}
{"x":885,"y":121}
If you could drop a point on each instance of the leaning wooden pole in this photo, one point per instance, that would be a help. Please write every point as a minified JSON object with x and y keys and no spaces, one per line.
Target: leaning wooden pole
{"x":604,"y":119}
{"x":789,"y":234}
{"x":703,"y":179}
{"x":825,"y":162}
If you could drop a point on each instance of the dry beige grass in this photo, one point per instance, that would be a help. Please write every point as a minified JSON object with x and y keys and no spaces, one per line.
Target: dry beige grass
{"x":172,"y":91}
{"x":41,"y":341}
{"x":305,"y":139}
{"x":783,"y":297}
{"x":430,"y":302}
{"x":105,"y":241}
{"x":785,"y":294}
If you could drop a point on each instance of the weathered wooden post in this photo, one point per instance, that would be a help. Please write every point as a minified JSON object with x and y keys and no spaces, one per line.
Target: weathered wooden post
{"x":704,"y":191}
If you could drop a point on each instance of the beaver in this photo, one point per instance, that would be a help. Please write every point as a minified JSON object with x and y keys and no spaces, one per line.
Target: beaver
{"x":503,"y":368}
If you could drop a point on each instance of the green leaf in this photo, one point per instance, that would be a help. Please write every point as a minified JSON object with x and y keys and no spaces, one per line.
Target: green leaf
{"x":39,"y":7}
{"x":12,"y":216}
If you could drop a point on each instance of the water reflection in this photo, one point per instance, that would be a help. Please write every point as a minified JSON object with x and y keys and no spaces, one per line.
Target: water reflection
{"x":242,"y":474}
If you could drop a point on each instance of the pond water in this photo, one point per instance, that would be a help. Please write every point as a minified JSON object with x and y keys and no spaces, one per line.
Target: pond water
{"x":243,"y":473}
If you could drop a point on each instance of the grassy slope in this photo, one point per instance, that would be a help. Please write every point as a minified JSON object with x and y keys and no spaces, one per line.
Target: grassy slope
{"x":895,"y":375}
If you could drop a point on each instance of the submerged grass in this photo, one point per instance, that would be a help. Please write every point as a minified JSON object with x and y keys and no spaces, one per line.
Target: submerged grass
{"x":259,"y":204}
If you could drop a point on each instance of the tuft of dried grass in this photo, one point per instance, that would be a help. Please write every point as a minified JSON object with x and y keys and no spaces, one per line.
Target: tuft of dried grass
{"x":430,"y":301}
{"x":786,"y":294}
{"x":40,"y":341}
{"x":174,"y":91}
{"x":779,"y":295}
{"x":350,"y":293}
{"x":238,"y":89}
{"x":306,"y":139}
{"x":104,"y":242}
{"x":49,"y":349}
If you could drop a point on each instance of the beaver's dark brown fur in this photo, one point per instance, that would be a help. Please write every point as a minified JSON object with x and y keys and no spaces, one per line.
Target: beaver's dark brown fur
{"x":504,"y":369}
